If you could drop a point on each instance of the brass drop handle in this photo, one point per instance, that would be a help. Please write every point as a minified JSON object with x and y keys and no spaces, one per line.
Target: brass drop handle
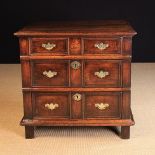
{"x":77,"y":97}
{"x":101,"y":46}
{"x":101,"y":106}
{"x":75,"y":65}
{"x":51,"y":106}
{"x":101,"y":74}
{"x":49,"y":74}
{"x":48,"y":46}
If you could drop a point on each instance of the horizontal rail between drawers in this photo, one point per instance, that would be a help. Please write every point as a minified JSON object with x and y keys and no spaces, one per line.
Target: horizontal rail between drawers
{"x":34,"y":57}
{"x":75,"y":89}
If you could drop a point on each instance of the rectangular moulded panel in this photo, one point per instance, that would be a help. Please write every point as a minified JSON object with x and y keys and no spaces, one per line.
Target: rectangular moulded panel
{"x":76,"y":75}
{"x":77,"y":105}
{"x":51,"y":105}
{"x":49,"y":46}
{"x":102,"y":105}
{"x":50,"y":73}
{"x":102,"y":46}
{"x":102,"y":73}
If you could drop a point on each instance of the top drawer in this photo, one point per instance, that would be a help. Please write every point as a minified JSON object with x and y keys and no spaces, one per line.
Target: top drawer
{"x":76,"y":46}
{"x":49,"y":46}
{"x":102,"y":46}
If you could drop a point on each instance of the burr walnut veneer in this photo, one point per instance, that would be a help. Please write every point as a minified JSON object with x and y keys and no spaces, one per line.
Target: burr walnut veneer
{"x":76,"y":74}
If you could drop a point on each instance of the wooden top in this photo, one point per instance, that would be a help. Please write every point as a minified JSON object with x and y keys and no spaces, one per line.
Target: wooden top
{"x":106,"y":27}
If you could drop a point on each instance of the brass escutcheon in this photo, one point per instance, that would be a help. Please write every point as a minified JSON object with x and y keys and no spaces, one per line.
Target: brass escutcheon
{"x":77,"y":97}
{"x":75,"y":65}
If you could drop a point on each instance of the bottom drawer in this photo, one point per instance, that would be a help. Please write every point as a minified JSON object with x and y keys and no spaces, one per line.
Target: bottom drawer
{"x":77,"y":105}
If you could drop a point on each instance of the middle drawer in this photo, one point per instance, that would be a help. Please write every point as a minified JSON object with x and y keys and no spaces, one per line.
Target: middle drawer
{"x":76,"y":73}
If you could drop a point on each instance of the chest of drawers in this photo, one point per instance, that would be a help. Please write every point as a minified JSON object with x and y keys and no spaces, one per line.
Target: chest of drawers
{"x":76,"y":74}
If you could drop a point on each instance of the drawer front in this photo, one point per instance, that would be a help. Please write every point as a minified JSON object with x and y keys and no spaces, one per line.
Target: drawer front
{"x":102,"y":46}
{"x":77,"y":105}
{"x":53,"y":105}
{"x":102,"y":105}
{"x":100,"y":73}
{"x":49,"y":46}
{"x":50,"y":73}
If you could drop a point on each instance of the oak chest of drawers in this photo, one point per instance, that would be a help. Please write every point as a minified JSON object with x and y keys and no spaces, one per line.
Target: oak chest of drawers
{"x":76,"y":74}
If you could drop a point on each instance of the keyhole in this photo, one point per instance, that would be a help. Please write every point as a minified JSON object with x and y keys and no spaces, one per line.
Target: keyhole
{"x":75,"y":65}
{"x":77,"y":97}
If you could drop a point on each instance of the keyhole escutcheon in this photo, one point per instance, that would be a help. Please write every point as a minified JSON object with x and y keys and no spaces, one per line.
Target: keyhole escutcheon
{"x":77,"y":97}
{"x":75,"y":65}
